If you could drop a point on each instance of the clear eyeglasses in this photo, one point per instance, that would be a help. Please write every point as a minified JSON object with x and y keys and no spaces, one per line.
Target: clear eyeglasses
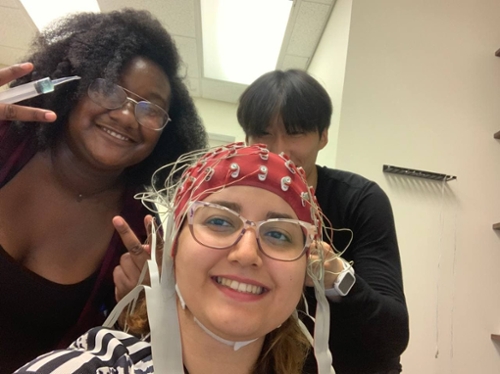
{"x":218,"y":227}
{"x":112,"y":96}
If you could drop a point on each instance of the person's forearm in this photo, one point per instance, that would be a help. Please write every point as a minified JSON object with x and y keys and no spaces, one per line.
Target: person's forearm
{"x":366,"y":318}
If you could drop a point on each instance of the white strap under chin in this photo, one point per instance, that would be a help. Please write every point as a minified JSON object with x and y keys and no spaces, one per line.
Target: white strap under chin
{"x":235,"y":345}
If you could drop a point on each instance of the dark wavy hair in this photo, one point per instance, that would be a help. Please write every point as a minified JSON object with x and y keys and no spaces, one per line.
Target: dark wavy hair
{"x":94,"y":45}
{"x":295,"y":96}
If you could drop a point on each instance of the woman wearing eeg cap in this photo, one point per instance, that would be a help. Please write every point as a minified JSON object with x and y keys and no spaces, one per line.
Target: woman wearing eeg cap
{"x":239,"y":233}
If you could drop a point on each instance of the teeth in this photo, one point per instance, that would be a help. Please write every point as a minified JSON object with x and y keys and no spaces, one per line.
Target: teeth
{"x":116,"y":135}
{"x":240,"y":287}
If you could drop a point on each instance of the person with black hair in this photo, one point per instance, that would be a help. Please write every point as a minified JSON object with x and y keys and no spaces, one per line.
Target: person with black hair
{"x":290,"y":112}
{"x":65,"y":185}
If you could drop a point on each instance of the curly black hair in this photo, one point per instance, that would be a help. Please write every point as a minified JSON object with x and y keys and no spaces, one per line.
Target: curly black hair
{"x":93,"y":45}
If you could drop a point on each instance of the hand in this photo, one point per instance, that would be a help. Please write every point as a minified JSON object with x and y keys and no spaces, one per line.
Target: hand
{"x":12,"y":112}
{"x":331,"y":261}
{"x":127,"y":273}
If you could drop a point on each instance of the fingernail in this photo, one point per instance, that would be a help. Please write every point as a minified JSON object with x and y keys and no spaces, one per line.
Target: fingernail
{"x":50,"y":116}
{"x":118,"y":221}
{"x":25,"y":65}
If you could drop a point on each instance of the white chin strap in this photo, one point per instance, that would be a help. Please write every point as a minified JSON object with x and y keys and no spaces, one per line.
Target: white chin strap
{"x":235,"y":345}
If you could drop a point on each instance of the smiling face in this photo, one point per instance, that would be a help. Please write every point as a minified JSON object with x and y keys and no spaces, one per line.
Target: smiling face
{"x":302,"y":147}
{"x":212,"y":281}
{"x":113,"y":139}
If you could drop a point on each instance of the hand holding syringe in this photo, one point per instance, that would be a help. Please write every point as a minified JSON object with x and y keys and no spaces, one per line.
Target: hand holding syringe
{"x":22,"y":113}
{"x":32,"y":89}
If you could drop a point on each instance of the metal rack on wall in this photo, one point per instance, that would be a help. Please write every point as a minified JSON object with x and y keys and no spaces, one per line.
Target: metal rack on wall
{"x":417,"y":173}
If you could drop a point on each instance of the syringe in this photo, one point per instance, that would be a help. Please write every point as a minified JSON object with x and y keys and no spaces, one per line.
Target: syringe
{"x":32,"y":89}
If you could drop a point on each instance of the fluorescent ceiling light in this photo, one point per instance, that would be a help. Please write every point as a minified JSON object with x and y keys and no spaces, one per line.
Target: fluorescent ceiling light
{"x":42,"y":12}
{"x":242,"y":38}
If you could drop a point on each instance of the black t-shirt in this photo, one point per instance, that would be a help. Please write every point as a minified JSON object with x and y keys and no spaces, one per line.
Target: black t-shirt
{"x":369,"y":327}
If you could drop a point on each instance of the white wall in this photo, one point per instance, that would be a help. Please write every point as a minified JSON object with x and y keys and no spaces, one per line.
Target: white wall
{"x":422,"y":90}
{"x":219,"y":118}
{"x":328,"y":67}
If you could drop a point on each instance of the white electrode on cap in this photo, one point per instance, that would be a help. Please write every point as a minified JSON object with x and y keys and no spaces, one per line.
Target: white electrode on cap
{"x":32,"y":89}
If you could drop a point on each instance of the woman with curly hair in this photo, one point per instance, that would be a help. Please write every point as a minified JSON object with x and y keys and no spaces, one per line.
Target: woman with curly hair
{"x":62,"y":184}
{"x":241,"y":237}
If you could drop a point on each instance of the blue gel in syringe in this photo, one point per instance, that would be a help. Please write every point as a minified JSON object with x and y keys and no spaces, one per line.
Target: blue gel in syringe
{"x":32,"y":89}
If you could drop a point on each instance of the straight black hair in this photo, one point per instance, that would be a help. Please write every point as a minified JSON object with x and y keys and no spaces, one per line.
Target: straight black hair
{"x":299,"y":99}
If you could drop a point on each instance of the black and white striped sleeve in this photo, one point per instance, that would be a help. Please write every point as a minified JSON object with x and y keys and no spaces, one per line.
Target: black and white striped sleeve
{"x":100,"y":350}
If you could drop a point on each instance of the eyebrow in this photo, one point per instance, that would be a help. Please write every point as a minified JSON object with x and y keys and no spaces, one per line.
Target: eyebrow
{"x":271,"y":214}
{"x":233,"y":206}
{"x":165,"y":102}
{"x":161,"y":101}
{"x":237,"y":208}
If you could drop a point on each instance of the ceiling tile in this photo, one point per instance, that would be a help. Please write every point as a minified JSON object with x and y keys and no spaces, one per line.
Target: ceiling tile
{"x":189,"y":53}
{"x":178,"y":17}
{"x":222,"y":91}
{"x":328,"y":2}
{"x":294,"y":62}
{"x":16,"y":29}
{"x":10,"y":3}
{"x":193,"y":85}
{"x":309,"y":26}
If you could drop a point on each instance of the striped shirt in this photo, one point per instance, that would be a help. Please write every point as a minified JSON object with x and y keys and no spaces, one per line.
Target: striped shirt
{"x":99,"y":351}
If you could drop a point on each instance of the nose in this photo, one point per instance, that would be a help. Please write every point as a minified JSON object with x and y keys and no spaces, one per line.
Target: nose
{"x":246,"y":251}
{"x":125,"y":114}
{"x":278,"y":144}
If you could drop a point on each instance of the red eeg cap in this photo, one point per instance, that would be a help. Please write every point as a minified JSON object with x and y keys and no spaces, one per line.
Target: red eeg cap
{"x":239,"y":165}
